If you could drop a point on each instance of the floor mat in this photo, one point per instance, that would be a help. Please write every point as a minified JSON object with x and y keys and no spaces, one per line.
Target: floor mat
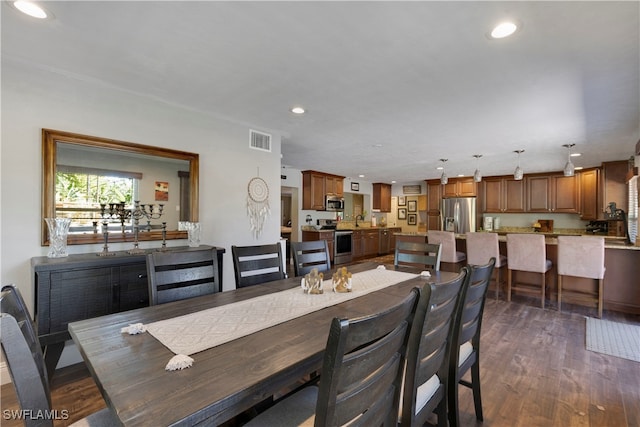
{"x":613,"y":338}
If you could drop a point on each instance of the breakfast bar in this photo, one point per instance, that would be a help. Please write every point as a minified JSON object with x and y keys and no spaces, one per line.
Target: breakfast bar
{"x":622,"y":262}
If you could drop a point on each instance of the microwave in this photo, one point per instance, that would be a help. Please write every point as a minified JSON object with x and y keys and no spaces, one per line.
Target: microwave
{"x":334,"y":203}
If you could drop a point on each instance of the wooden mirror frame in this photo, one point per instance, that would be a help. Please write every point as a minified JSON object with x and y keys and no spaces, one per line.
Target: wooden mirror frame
{"x":49,"y":155}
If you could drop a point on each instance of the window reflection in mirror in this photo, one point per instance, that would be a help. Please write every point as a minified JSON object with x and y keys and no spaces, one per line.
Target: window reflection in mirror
{"x":87,"y":179}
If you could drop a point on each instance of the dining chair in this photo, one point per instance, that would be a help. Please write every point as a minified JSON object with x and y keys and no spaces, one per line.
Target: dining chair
{"x":25,"y":362}
{"x":309,"y":255}
{"x":451,"y":259}
{"x":428,"y":348}
{"x":177,"y":275}
{"x":257,"y":264}
{"x":361,"y":374}
{"x":421,"y":255}
{"x":481,"y":247}
{"x":581,"y":256}
{"x":465,"y":351}
{"x":527,"y":253}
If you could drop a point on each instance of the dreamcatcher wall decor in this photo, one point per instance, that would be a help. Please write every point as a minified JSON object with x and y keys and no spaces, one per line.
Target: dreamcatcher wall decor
{"x":257,"y":204}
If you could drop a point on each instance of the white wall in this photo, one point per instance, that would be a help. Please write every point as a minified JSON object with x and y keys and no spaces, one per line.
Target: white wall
{"x":33,"y":99}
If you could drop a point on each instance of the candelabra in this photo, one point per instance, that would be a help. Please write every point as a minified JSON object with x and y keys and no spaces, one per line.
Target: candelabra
{"x":105,"y":234}
{"x":116,"y":210}
{"x":136,"y":214}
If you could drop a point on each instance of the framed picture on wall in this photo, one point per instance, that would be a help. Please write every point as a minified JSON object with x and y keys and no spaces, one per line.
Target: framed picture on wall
{"x":413,"y":205}
{"x":402,"y":201}
{"x":402,"y":213}
{"x":413,"y":219}
{"x":355,"y":186}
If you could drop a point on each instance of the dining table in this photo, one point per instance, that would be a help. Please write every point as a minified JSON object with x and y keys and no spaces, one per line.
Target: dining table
{"x":228,"y":378}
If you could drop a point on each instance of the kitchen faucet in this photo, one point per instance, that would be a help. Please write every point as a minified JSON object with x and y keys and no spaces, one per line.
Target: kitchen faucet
{"x":359,"y":216}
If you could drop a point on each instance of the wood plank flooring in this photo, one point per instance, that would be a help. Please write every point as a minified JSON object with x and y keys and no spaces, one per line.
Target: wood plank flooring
{"x":535,"y":371}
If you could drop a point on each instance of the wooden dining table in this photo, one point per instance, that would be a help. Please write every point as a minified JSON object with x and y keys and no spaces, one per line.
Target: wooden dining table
{"x":225,"y":380}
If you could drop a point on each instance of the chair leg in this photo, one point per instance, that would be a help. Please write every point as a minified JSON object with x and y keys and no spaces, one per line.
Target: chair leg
{"x":544,"y":281}
{"x":509,"y":277}
{"x":475,"y":382}
{"x":559,"y":293}
{"x":441,"y":411}
{"x":600,"y":297}
{"x":452,"y":403}
{"x":498,"y":282}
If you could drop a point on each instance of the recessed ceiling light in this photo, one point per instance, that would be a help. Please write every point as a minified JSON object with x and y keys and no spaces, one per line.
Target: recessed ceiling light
{"x":393,"y":182}
{"x":578,"y":168}
{"x":297,"y":110}
{"x":439,"y":168}
{"x":504,"y":29}
{"x":30,"y":9}
{"x":377,"y":145}
{"x":576,"y":154}
{"x":361,"y":176}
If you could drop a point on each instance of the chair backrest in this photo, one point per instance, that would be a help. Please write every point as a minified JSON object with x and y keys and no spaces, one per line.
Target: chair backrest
{"x":309,"y":255}
{"x":177,"y":275}
{"x":428,"y":349}
{"x":23,"y":354}
{"x":526,"y":252}
{"x":469,"y":318}
{"x":423,"y":255}
{"x":447,"y":240}
{"x":257,"y":264}
{"x":363,"y":367}
{"x":581,"y":256}
{"x":481,"y":247}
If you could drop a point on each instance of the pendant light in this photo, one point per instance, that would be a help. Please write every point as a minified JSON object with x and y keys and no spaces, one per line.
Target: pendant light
{"x":569,"y":168}
{"x":477,"y":176}
{"x":443,"y":178}
{"x":518,"y":173}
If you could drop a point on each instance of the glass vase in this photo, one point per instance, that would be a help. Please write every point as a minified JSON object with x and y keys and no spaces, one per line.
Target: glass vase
{"x":58,"y":231}
{"x":193,"y":231}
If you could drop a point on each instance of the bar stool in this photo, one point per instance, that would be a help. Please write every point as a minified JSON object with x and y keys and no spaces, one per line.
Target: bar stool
{"x":527,"y":252}
{"x":452,"y":259}
{"x":582,"y":256}
{"x":481,"y":247}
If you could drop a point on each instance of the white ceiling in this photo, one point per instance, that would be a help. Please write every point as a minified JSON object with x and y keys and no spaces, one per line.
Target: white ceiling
{"x":420,"y":78}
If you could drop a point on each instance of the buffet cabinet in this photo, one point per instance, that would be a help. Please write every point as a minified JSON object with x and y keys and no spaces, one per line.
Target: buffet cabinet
{"x":84,"y":286}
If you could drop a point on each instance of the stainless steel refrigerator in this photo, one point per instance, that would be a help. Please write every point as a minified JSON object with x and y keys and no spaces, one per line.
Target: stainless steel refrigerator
{"x":459,"y":214}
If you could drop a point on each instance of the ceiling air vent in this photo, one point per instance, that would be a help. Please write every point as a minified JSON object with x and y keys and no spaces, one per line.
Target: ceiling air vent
{"x":259,"y":140}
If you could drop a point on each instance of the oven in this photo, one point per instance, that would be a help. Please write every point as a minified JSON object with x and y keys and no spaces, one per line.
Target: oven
{"x":342,"y":245}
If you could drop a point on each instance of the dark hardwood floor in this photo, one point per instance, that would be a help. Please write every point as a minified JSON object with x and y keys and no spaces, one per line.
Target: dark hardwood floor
{"x":535,"y":371}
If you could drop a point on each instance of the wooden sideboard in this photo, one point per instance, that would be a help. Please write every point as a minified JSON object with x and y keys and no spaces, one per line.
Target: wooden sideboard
{"x":84,"y":286}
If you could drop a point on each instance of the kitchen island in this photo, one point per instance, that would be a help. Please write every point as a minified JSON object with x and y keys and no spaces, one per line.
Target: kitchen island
{"x":621,"y":280}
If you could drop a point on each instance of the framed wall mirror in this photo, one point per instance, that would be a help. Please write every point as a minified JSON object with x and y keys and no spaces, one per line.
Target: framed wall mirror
{"x":94,"y":180}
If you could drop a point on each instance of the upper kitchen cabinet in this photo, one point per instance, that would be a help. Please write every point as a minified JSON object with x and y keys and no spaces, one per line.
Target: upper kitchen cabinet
{"x":503,"y":195}
{"x":552,"y":193}
{"x":381,"y":197}
{"x":460,"y":187}
{"x":316,"y":186}
{"x":434,"y":203}
{"x":614,"y":189}
{"x":589,"y":185}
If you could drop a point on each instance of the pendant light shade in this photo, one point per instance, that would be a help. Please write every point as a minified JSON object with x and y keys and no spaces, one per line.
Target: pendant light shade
{"x":444,"y":178}
{"x":518,"y":174}
{"x":569,"y":168}
{"x":477,"y":176}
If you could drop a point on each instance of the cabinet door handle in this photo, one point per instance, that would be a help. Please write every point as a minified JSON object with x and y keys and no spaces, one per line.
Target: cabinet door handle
{"x":142,"y":276}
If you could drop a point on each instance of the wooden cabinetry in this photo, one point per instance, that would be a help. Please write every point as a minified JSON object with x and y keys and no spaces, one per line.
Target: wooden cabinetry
{"x":357,"y":239}
{"x":614,"y":188}
{"x":503,"y":194}
{"x":589,"y":198}
{"x":83,"y":286}
{"x":392,"y":238}
{"x":422,"y":203}
{"x":371,"y":242}
{"x":552,"y":193}
{"x":316,"y":186}
{"x":460,"y":187}
{"x":381,"y":199}
{"x":434,"y":202}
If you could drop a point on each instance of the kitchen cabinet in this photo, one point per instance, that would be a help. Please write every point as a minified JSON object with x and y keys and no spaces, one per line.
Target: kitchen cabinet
{"x":614,"y":188}
{"x":589,"y":198}
{"x":371,"y":241}
{"x":459,"y":187}
{"x":434,"y":201}
{"x":327,"y":235}
{"x":503,"y":194}
{"x":358,"y":244}
{"x":422,"y":203}
{"x":83,"y":286}
{"x":381,"y":199}
{"x":392,"y":238}
{"x":552,"y":193}
{"x":316,"y":186}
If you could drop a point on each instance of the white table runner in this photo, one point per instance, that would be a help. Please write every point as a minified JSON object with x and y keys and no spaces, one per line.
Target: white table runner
{"x":205,"y":329}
